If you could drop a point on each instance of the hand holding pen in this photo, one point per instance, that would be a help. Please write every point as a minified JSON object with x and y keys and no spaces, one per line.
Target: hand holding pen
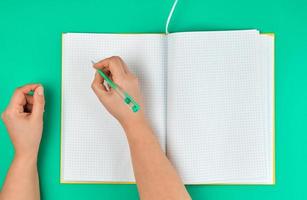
{"x":122,"y":89}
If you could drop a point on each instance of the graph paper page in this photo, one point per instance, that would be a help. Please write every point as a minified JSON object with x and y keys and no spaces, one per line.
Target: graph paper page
{"x":94,"y":146}
{"x":218,"y":107}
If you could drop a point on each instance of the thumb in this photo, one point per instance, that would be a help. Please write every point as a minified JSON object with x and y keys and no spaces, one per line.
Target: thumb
{"x":98,"y":87}
{"x":38,"y":102}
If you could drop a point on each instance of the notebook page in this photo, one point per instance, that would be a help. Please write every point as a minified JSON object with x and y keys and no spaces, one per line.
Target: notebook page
{"x":216,"y":108}
{"x":93,"y":145}
{"x":267,"y":51}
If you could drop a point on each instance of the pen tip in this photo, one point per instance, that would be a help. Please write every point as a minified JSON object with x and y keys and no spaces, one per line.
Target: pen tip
{"x":93,"y":62}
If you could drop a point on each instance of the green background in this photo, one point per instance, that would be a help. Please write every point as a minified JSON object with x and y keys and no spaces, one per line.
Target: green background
{"x":30,"y":51}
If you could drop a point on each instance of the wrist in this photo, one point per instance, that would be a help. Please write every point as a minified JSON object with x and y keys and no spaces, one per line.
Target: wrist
{"x":25,"y":162}
{"x":135,"y":124}
{"x":26,"y":157}
{"x":137,"y":130}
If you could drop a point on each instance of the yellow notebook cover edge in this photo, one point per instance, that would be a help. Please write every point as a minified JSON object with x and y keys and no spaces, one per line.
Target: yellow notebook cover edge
{"x":61,"y":121}
{"x":274,"y":109}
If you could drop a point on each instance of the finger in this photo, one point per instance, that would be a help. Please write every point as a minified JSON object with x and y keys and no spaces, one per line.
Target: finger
{"x":38,"y":102}
{"x":97,"y":85}
{"x":125,"y":66}
{"x":114,"y":64}
{"x":29,"y":104}
{"x":18,"y":99}
{"x":29,"y":99}
{"x":99,"y":89}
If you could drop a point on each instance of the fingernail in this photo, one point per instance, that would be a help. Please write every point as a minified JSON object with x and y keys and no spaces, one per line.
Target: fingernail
{"x":40,"y":90}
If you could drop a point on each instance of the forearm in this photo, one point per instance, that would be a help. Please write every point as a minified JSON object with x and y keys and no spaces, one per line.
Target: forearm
{"x":22,"y":180}
{"x":23,"y":119}
{"x":155,"y":176}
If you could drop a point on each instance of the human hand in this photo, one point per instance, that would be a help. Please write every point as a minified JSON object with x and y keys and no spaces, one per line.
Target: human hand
{"x":118,"y":71}
{"x":23,"y":119}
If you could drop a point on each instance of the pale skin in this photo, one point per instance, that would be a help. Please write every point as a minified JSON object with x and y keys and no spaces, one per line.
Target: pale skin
{"x":155,"y":176}
{"x":24,"y":122}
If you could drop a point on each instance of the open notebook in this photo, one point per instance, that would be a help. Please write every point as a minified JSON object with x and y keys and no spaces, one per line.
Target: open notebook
{"x":209,"y":97}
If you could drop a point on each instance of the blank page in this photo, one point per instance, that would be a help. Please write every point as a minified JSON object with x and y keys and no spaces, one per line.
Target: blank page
{"x":266,"y":41}
{"x":94,"y":146}
{"x":219,"y":105}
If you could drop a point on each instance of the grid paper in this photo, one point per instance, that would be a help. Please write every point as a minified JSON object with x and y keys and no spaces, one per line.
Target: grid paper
{"x":217,"y":107}
{"x":219,"y":92}
{"x":94,"y":146}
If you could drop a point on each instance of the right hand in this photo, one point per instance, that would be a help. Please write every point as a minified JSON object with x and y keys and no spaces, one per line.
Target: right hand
{"x":118,"y":71}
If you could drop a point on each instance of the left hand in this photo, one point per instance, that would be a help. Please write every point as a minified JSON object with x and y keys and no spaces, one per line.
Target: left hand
{"x":24,"y":119}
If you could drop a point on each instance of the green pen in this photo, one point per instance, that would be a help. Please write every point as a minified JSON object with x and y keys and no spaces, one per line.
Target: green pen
{"x":134,"y":106}
{"x":31,"y":93}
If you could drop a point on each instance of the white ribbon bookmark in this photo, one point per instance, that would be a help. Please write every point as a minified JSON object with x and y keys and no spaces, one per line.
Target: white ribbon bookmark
{"x":170,"y":16}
